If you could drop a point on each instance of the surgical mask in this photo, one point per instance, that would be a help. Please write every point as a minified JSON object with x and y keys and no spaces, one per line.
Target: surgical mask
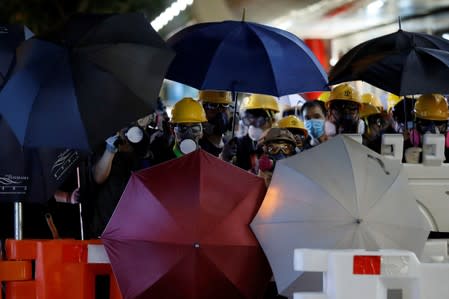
{"x":315,"y":127}
{"x":187,"y":146}
{"x":254,"y":133}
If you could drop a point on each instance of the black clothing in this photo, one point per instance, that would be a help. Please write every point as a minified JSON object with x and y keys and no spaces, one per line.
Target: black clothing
{"x":105,"y":196}
{"x":246,"y":152}
{"x":209,"y":147}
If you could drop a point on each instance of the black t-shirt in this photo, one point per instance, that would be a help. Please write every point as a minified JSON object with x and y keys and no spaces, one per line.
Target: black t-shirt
{"x":104,"y":197}
{"x":209,"y":147}
{"x":246,"y":149}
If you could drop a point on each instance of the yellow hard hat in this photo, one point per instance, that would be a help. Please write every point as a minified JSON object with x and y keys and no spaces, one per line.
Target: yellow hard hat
{"x":432,"y":107}
{"x":291,"y":122}
{"x":188,"y":110}
{"x":392,"y":100}
{"x":368,"y":109}
{"x":344,"y":92}
{"x":214,"y":96}
{"x":369,"y":98}
{"x":324,"y":96}
{"x":261,"y":101}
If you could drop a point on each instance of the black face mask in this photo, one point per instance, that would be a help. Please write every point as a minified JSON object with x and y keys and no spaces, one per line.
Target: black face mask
{"x":346,"y":123}
{"x":218,"y":125}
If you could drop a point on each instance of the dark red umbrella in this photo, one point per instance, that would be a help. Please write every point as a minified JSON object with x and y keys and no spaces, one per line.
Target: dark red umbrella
{"x":181,"y":230}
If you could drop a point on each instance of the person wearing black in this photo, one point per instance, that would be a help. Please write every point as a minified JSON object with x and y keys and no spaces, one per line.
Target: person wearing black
{"x":113,"y":163}
{"x":259,"y":116}
{"x":216,"y":105}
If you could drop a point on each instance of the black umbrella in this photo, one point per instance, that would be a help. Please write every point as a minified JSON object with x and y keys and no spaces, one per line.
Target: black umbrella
{"x":403,"y":63}
{"x":74,"y":87}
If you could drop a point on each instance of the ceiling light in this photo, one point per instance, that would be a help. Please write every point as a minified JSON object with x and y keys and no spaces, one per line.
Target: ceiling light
{"x":170,"y":13}
{"x":374,"y":6}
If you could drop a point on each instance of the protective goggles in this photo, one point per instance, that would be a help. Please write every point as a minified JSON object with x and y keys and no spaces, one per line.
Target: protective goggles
{"x":344,"y":106}
{"x":188,"y":129}
{"x":276,"y":148}
{"x":257,"y":121}
{"x":426,"y":125}
{"x":215,"y":106}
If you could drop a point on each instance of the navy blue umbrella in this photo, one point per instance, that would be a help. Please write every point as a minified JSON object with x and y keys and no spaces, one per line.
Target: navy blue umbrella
{"x":403,"y":63}
{"x":74,"y":87}
{"x":11,"y":35}
{"x":244,"y":57}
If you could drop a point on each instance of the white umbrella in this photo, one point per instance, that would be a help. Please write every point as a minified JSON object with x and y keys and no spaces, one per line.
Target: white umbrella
{"x":337,"y":195}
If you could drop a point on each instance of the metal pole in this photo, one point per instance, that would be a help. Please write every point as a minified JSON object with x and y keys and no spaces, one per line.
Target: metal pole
{"x":79,"y":204}
{"x":18,"y":224}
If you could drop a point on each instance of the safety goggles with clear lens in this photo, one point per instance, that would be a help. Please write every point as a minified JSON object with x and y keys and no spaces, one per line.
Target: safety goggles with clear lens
{"x":192,"y":129}
{"x":257,"y":121}
{"x":276,"y":148}
{"x":215,"y":106}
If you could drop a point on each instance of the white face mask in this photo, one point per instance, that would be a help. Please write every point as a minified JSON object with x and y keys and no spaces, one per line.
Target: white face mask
{"x":134,"y":134}
{"x":187,"y":146}
{"x":329,"y":128}
{"x":361,"y":127}
{"x":254,"y":133}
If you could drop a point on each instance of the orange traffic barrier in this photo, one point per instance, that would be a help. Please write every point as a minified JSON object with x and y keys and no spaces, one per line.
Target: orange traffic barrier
{"x":15,"y":270}
{"x":63,"y":269}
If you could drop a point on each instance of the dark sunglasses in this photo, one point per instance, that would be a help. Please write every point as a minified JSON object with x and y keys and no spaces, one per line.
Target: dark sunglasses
{"x":344,"y":105}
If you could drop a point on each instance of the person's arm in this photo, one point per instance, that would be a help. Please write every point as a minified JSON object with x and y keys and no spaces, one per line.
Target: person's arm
{"x":102,"y":168}
{"x":67,"y":197}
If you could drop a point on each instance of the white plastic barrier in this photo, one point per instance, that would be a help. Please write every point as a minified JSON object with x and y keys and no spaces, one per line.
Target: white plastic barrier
{"x":383,"y":274}
{"x":433,"y":149}
{"x":392,"y":146}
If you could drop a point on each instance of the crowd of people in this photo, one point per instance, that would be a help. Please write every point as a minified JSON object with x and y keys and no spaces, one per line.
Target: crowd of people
{"x":262,"y":138}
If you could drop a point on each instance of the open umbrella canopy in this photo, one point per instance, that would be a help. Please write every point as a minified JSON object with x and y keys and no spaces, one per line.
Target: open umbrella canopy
{"x":181,"y":230}
{"x":11,"y":35}
{"x":75,"y":87}
{"x":358,"y":199}
{"x":403,"y":63}
{"x":31,"y":175}
{"x":244,"y":57}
